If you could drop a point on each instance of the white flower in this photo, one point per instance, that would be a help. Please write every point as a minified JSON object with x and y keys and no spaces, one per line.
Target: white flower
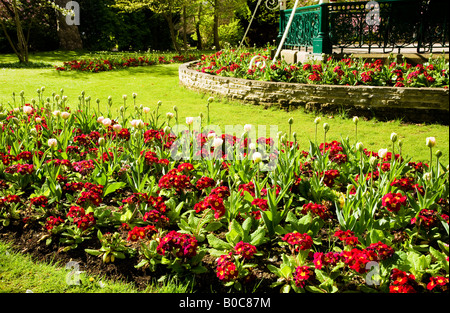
{"x":52,"y":143}
{"x":257,"y":157}
{"x":211,"y":135}
{"x":117,"y":127}
{"x":317,"y":120}
{"x":247,"y":128}
{"x":382,"y":153}
{"x":106,"y":122}
{"x":27,"y":109}
{"x":146,"y":110}
{"x":38,"y":120}
{"x":169,"y":115}
{"x":189,"y":120}
{"x":217,"y":142}
{"x":355,"y":119}
{"x":138,"y":124}
{"x":430,"y":142}
{"x":56,"y":113}
{"x":100,"y":119}
{"x":252,"y":146}
{"x":65,"y":115}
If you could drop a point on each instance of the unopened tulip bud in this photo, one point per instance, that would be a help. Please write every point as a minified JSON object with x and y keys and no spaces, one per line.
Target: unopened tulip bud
{"x":101,"y":141}
{"x":394,"y":137}
{"x":360,"y":147}
{"x":430,"y":142}
{"x":326,"y":127}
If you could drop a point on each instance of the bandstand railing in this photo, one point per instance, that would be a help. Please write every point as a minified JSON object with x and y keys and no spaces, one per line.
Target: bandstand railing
{"x":387,"y":24}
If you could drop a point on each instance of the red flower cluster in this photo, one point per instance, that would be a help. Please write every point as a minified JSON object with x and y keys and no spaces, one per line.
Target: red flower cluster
{"x":402,"y":282}
{"x":357,"y":259}
{"x":83,"y":220}
{"x":301,"y":275}
{"x":181,"y":245}
{"x":316,"y":209}
{"x":91,"y":195}
{"x":205,"y":182}
{"x":140,"y":232}
{"x":427,"y":218}
{"x":226,"y":269}
{"x":298,"y":241}
{"x":52,"y":222}
{"x":393,"y":201}
{"x":438,"y":283}
{"x":155,"y":216}
{"x":214,"y":201}
{"x":323,"y":259}
{"x":347,"y":237}
{"x":329,"y":177}
{"x":245,"y":250}
{"x":383,"y":250}
{"x":41,"y":201}
{"x":22,"y":169}
{"x":9,"y":199}
{"x":262,"y":206}
{"x":173,"y":179}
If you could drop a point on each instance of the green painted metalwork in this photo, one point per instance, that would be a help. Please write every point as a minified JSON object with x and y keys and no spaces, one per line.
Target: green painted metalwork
{"x":422,"y":24}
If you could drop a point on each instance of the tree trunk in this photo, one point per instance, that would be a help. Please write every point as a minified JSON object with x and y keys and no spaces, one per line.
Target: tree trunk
{"x":184,"y":29}
{"x":197,"y":28}
{"x":69,"y":35}
{"x":216,"y":25}
{"x":168,"y":17}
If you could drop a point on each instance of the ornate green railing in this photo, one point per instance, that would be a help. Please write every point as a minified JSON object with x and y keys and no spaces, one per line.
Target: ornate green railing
{"x":387,"y":24}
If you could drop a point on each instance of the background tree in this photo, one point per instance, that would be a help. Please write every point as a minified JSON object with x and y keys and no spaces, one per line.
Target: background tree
{"x":69,"y":36}
{"x":22,"y":16}
{"x":167,"y":8}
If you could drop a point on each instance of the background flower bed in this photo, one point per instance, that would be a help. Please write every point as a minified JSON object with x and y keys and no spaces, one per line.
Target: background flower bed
{"x":83,"y":183}
{"x":347,"y":71}
{"x":110,"y":62}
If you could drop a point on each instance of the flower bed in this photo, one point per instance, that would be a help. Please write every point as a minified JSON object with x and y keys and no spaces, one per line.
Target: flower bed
{"x":111,"y":62}
{"x":350,"y":71}
{"x":232,"y":210}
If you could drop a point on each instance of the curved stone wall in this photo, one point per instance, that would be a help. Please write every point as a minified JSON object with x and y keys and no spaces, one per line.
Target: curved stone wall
{"x":386,"y":103}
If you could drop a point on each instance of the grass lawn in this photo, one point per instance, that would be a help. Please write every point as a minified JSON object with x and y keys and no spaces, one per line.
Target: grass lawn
{"x":160,"y":83}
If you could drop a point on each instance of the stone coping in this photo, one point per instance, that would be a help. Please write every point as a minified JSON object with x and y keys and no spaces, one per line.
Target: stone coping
{"x":385,"y":103}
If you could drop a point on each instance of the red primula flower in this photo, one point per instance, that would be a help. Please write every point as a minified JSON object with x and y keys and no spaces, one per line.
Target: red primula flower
{"x":438,"y":283}
{"x":245,"y":250}
{"x":299,"y":241}
{"x":393,"y":201}
{"x":301,"y":275}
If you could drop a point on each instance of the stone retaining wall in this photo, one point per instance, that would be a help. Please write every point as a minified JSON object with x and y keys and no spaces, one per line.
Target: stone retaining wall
{"x":386,"y":103}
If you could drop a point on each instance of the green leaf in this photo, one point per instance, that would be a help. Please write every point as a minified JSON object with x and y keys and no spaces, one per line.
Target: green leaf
{"x":113,"y":187}
{"x":217,"y":243}
{"x":93,"y":252}
{"x":213,"y":226}
{"x":258,"y":237}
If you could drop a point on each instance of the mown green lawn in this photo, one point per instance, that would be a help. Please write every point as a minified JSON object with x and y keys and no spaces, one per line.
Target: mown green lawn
{"x":160,"y":83}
